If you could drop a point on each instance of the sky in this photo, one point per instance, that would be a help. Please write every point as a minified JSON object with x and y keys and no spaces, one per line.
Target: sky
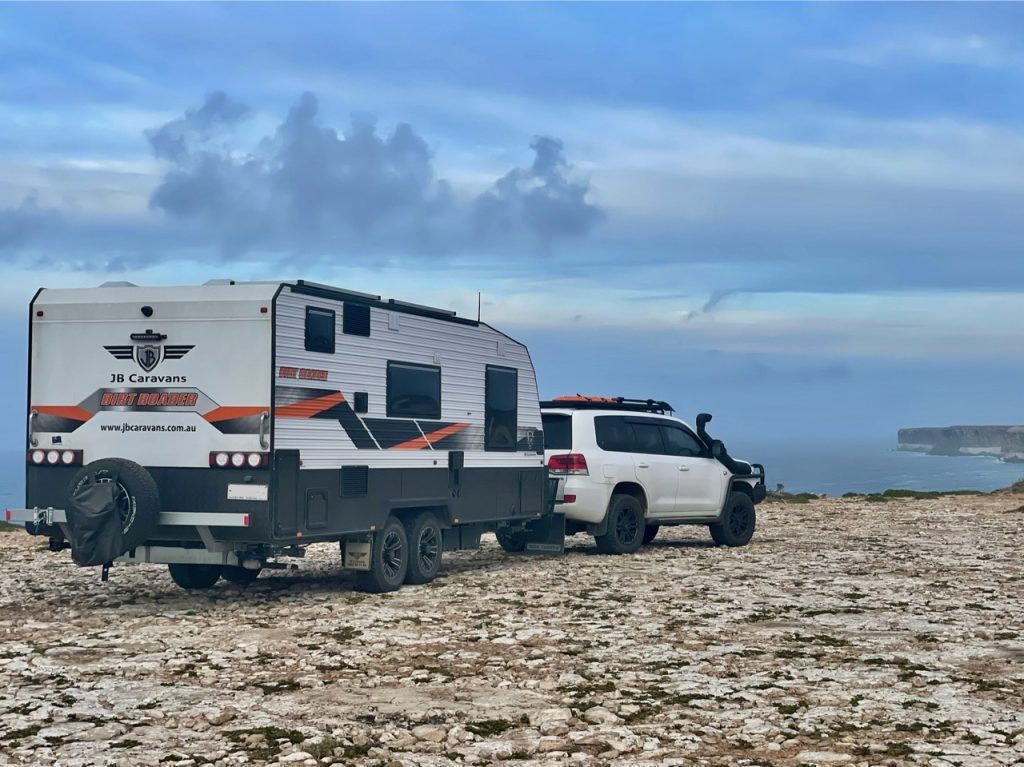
{"x":805,"y":218}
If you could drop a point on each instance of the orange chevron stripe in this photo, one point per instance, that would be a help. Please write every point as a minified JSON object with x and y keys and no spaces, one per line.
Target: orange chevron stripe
{"x":435,"y":436}
{"x":227,"y":413}
{"x":308,"y":408}
{"x":74,"y":412}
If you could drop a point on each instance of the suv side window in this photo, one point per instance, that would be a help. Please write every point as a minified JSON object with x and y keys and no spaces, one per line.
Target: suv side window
{"x":680,"y":442}
{"x":648,"y":438}
{"x":614,"y":434}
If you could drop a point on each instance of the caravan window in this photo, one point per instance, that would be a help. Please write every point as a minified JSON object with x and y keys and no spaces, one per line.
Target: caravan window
{"x":319,"y":330}
{"x":501,"y":395}
{"x":414,"y":391}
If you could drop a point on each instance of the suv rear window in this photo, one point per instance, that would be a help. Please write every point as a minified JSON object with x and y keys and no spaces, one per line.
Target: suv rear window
{"x":557,"y":432}
{"x":614,"y":433}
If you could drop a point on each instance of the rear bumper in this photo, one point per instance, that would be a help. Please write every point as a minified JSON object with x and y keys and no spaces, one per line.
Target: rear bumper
{"x":187,"y":491}
{"x":51,"y":516}
{"x":591,"y":500}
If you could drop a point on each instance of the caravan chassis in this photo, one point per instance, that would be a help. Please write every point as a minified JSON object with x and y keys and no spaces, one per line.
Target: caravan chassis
{"x":545,"y":534}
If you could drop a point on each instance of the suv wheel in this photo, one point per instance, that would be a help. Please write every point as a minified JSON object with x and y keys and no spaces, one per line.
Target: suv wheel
{"x":737,"y":523}
{"x":190,"y":576}
{"x":625,"y":526}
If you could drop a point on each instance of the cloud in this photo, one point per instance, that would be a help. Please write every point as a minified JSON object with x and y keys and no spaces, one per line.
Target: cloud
{"x":711,"y":304}
{"x":308,"y":187}
{"x":540,"y":197}
{"x":178,"y":139}
{"x":20,"y":224}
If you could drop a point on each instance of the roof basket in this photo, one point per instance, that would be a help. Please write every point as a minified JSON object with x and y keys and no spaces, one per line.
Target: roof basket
{"x":585,"y":402}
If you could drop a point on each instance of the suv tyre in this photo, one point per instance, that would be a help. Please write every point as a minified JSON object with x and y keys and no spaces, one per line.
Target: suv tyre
{"x":625,"y":532}
{"x":191,"y":576}
{"x":736,"y":525}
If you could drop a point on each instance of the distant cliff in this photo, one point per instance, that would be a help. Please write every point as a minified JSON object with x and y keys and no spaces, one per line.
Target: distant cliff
{"x":1007,"y":442}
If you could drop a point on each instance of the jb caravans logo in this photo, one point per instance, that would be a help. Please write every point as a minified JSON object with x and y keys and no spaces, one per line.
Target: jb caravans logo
{"x":149,"y":350}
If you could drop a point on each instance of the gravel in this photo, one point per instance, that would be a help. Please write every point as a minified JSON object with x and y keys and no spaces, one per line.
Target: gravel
{"x":847,"y":633}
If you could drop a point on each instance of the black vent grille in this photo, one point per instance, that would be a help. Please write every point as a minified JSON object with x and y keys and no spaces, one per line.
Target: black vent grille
{"x":356,"y":320}
{"x":355,"y":480}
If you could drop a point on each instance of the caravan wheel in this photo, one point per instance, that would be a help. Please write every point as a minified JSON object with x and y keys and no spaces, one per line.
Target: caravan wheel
{"x":389,"y":559}
{"x":425,"y":548}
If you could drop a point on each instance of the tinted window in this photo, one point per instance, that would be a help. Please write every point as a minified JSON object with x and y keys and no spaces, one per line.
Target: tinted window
{"x":414,"y":391}
{"x":319,"y":330}
{"x":680,"y":442}
{"x":557,"y":432}
{"x":648,"y":438}
{"x":501,"y":398}
{"x":613,"y":433}
{"x":355,"y":320}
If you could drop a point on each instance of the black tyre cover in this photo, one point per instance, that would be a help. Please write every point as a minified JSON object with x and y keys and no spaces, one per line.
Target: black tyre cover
{"x":112,"y":507}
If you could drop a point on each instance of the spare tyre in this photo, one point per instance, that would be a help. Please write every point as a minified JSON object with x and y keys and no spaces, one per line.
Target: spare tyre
{"x":112,"y":506}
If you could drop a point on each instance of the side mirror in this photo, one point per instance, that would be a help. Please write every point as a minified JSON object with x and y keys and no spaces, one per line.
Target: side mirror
{"x":717,"y":448}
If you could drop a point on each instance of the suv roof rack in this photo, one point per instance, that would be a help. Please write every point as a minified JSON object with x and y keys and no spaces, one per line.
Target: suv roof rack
{"x":584,"y":402}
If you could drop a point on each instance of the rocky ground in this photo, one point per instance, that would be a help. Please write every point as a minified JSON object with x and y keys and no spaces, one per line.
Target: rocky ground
{"x":848,"y":632}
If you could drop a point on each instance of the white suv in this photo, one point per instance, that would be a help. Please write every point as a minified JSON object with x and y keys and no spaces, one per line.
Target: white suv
{"x":630,"y":467}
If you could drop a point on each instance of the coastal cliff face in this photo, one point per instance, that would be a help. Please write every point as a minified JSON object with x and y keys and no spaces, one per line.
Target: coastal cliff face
{"x":1007,"y":442}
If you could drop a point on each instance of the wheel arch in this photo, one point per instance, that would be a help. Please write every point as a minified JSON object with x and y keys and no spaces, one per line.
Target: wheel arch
{"x":406,"y":514}
{"x":739,"y":486}
{"x":634,"y":489}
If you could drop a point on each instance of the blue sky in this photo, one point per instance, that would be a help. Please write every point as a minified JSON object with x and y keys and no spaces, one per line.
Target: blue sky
{"x":803,"y":217}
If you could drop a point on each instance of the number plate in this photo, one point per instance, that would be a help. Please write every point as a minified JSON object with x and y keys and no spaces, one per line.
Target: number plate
{"x":247,"y":492}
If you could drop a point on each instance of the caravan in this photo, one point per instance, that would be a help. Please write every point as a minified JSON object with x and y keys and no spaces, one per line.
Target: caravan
{"x":218,"y":427}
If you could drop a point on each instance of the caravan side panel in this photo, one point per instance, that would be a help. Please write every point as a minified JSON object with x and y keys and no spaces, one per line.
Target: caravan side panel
{"x":359,"y":460}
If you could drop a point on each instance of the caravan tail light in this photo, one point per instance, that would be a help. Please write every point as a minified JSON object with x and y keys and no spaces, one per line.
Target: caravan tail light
{"x":55,"y":457}
{"x":568,"y":463}
{"x":219,"y":460}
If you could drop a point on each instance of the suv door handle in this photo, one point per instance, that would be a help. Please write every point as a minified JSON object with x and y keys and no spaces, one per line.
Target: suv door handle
{"x":643,"y":466}
{"x":684,"y":468}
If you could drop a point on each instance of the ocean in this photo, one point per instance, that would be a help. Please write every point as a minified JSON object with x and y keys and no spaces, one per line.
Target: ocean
{"x":869,"y":466}
{"x":830,"y":468}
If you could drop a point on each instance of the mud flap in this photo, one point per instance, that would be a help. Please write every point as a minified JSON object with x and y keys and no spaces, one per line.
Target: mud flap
{"x":545,"y":535}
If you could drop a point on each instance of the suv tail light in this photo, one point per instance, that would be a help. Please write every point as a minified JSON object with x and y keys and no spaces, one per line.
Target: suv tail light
{"x":568,"y":463}
{"x":223,"y":460}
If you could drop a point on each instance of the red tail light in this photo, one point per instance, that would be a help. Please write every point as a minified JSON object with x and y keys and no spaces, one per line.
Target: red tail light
{"x":568,"y":463}
{"x":221,"y":459}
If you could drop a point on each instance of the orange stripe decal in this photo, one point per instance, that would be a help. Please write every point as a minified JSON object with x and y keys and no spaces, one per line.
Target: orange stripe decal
{"x":74,"y":412}
{"x":227,"y":413}
{"x":435,"y":436}
{"x":308,"y":408}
